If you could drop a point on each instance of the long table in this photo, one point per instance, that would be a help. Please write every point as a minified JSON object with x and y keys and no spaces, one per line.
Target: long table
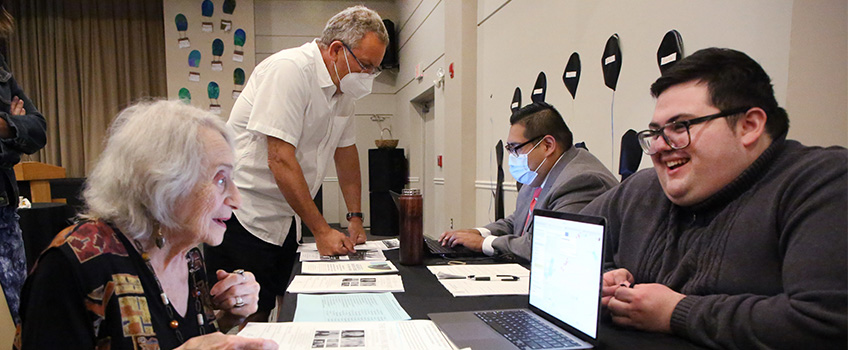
{"x":425,"y":294}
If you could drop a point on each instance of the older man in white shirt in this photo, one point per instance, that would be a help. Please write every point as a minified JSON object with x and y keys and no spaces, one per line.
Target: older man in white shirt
{"x":294,"y":115}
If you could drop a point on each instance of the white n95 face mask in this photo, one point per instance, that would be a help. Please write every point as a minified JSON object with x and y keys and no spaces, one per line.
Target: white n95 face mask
{"x":356,"y":85}
{"x":520,"y":169}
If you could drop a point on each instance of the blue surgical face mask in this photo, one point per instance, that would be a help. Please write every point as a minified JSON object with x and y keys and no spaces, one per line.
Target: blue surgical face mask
{"x":520,"y":168}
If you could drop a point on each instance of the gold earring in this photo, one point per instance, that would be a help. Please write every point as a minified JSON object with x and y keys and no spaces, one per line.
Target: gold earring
{"x":159,"y":239}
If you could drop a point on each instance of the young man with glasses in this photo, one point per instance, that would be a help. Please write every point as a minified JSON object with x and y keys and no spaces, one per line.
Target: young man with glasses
{"x":294,"y":115}
{"x":557,"y":176}
{"x":737,"y":237}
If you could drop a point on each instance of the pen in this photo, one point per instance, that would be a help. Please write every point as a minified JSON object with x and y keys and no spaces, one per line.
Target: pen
{"x":505,"y":278}
{"x":447,"y":276}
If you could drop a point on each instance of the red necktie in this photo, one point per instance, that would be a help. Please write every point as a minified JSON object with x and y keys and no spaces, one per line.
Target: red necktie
{"x":530,"y":212}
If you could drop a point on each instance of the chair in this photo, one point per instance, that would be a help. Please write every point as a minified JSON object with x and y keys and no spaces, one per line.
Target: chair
{"x":631,"y":154}
{"x":7,"y":326}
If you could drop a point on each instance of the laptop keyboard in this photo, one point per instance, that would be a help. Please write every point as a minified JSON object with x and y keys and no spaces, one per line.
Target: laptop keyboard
{"x":436,"y":248}
{"x":524,"y":330}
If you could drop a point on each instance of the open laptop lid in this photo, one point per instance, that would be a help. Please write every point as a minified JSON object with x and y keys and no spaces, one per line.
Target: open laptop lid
{"x":566,"y":271}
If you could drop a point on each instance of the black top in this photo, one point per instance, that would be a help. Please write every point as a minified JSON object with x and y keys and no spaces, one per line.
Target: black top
{"x":762,"y":262}
{"x":92,"y":290}
{"x":28,"y":133}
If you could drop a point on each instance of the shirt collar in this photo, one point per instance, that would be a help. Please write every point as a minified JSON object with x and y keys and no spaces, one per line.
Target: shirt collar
{"x":552,"y":168}
{"x":321,"y":71}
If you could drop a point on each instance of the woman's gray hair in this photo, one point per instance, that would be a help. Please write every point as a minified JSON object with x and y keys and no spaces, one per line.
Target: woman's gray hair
{"x":352,"y":24}
{"x":153,"y":158}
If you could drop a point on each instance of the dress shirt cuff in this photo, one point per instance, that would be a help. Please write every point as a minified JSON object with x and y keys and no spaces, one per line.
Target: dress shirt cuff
{"x":484,"y":231}
{"x":487,"y":245}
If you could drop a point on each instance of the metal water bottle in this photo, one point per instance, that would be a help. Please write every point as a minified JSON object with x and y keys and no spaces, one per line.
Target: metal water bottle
{"x":411,"y":227}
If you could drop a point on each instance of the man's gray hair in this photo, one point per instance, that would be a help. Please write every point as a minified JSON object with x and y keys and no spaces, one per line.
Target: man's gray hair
{"x":352,"y":24}
{"x":153,"y":158}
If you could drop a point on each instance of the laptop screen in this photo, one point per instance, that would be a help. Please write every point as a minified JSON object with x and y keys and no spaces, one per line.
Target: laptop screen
{"x":565,"y":271}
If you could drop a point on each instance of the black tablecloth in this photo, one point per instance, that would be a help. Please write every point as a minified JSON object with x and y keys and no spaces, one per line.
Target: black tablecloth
{"x":425,"y":294}
{"x":40,"y":224}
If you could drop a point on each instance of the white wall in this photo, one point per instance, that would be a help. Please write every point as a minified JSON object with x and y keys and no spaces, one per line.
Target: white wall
{"x":421,"y":44}
{"x":801,"y":44}
{"x":517,"y":39}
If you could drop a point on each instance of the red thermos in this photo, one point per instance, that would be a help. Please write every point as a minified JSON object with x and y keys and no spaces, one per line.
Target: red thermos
{"x":411,"y":227}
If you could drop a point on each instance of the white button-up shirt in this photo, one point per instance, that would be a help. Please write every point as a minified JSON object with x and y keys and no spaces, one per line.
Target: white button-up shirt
{"x":289,"y":96}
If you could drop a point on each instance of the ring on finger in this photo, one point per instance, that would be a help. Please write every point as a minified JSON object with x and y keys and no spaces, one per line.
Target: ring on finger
{"x":239,"y":301}
{"x":240,"y":272}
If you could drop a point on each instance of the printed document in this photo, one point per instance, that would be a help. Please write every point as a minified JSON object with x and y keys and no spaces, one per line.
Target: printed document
{"x":360,"y":255}
{"x":483,"y":279}
{"x":345,"y":284}
{"x":386,"y":244}
{"x":396,"y":335}
{"x":347,"y":267}
{"x":358,"y":307}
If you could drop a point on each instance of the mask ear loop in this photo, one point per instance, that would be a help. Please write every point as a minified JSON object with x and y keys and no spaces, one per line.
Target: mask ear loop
{"x":336,"y":69}
{"x":347,"y":62}
{"x":531,"y":150}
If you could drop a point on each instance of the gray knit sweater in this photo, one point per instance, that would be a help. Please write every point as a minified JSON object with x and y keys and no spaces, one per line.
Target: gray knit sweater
{"x":763,"y":262}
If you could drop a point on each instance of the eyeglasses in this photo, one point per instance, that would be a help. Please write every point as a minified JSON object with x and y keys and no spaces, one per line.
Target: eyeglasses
{"x":513,"y":148}
{"x":375,"y":70}
{"x":676,"y":134}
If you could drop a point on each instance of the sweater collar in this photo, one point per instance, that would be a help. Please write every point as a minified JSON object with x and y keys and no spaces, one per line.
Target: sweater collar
{"x":745,"y":180}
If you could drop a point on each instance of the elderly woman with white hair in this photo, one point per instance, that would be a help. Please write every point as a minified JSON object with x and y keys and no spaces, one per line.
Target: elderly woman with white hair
{"x":129,"y":275}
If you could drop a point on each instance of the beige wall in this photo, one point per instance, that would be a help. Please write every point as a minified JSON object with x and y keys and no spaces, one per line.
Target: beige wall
{"x":818,"y":79}
{"x":802,"y":45}
{"x":177,"y":58}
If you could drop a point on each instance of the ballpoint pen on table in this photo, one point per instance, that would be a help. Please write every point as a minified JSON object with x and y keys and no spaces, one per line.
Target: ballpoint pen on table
{"x":447,"y":276}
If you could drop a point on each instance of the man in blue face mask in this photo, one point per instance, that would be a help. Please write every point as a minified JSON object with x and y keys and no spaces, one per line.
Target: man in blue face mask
{"x":556,"y":175}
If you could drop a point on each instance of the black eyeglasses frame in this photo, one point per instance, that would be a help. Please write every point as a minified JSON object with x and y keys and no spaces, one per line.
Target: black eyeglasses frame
{"x":375,"y":70}
{"x":644,"y":135}
{"x":514,"y":149}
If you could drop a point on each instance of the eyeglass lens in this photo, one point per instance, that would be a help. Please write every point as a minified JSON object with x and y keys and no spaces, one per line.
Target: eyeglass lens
{"x":675,"y":134}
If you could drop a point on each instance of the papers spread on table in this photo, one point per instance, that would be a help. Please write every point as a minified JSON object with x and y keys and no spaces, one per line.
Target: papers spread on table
{"x":345,"y":284}
{"x":358,"y":307}
{"x":347,"y":267}
{"x":386,"y":244}
{"x":483,"y":279}
{"x":396,"y":335}
{"x":369,"y":255}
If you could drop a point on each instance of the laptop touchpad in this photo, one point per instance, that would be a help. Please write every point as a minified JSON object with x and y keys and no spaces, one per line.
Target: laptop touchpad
{"x":468,"y":330}
{"x":477,"y":335}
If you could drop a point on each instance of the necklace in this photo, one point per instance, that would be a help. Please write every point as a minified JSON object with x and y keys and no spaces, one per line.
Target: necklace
{"x":196,"y":287}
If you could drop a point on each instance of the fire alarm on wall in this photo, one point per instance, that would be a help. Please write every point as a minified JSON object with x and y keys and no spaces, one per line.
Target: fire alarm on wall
{"x":450,"y":69}
{"x":439,"y":160}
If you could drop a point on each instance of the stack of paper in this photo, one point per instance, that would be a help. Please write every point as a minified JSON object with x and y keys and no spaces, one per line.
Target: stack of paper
{"x":386,"y":244}
{"x":350,"y":267}
{"x":345,"y":284}
{"x":397,"y":335}
{"x":367,"y":255}
{"x":486,"y":279}
{"x":357,"y":307}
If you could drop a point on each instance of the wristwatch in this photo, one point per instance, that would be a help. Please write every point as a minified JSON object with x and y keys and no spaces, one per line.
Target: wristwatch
{"x":352,"y":215}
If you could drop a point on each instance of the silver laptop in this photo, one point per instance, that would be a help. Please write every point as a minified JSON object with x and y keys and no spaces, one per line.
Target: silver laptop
{"x":565,"y":292}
